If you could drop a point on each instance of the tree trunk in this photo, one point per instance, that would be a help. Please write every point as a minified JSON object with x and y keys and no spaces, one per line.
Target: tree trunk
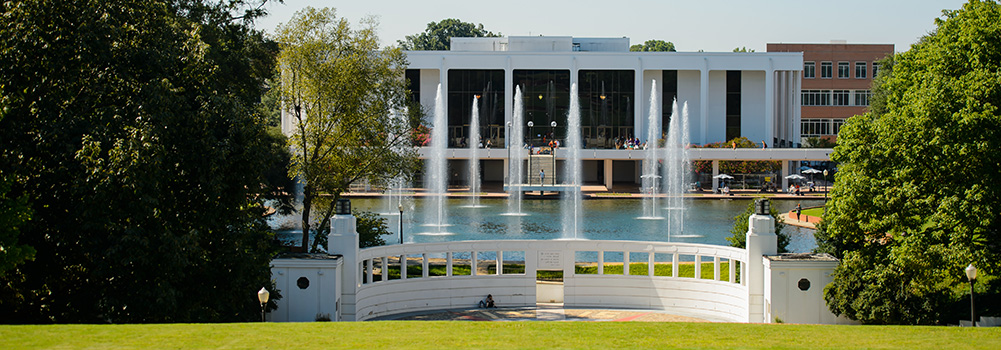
{"x":307,"y":205}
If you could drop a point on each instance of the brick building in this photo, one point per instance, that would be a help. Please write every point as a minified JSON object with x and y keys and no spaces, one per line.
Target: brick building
{"x":836,"y":83}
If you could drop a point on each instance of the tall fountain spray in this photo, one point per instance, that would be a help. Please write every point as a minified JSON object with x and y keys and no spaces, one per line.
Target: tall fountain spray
{"x":436,"y":179}
{"x":677,"y":166}
{"x":651,"y":169}
{"x":474,"y":154}
{"x":572,"y":171}
{"x":515,"y":155}
{"x":396,"y":203}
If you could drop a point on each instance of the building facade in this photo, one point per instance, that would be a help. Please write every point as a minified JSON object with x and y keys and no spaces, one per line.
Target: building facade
{"x":728,"y":95}
{"x":836,"y":83}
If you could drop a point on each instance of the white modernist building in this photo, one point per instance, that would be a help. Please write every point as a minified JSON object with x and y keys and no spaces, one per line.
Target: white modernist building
{"x":728,"y":95}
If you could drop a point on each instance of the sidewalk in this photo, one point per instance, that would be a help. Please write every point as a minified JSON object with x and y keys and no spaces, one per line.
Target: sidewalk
{"x":548,"y":312}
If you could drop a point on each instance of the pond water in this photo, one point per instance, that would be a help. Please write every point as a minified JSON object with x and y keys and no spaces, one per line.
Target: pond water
{"x":706,"y":221}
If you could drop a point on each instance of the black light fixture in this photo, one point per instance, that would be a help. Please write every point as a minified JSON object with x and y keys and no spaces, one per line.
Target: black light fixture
{"x":762,"y":207}
{"x":343,"y":206}
{"x":971,"y":274}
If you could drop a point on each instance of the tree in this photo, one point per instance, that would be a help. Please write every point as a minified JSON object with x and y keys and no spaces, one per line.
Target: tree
{"x":742,"y":49}
{"x":736,"y":166}
{"x":130,"y":127}
{"x":437,"y":36}
{"x":14,"y":213}
{"x":738,"y":234}
{"x":371,"y":227}
{"x":342,"y":93}
{"x":818,"y":142}
{"x":654,"y":45}
{"x":917,"y":197}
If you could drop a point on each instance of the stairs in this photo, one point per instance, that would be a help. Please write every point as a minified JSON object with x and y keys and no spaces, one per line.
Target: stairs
{"x":538,"y":162}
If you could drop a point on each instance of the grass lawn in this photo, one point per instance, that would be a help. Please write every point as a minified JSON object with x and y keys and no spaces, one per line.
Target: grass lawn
{"x":815,"y":212}
{"x":466,"y":335}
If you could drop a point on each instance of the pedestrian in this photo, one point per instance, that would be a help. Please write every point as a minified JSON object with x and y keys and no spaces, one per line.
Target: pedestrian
{"x":733,"y":144}
{"x":763,"y":144}
{"x":799,"y":210}
{"x":542,"y":176}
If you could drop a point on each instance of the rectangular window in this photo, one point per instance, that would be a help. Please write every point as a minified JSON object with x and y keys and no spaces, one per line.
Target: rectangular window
{"x":809,"y":70}
{"x":875,"y":69}
{"x":816,"y":97}
{"x":841,"y":97}
{"x":732,"y":104}
{"x":860,"y":70}
{"x":862,"y":97}
{"x":842,"y":70}
{"x":815,"y":127}
{"x":826,"y":70}
{"x":837,"y":125}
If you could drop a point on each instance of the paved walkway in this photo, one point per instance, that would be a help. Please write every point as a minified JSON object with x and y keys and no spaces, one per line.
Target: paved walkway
{"x":547,"y":312}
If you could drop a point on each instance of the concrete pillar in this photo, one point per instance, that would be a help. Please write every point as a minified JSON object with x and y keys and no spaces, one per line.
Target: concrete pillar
{"x":783,"y":173}
{"x":608,"y":174}
{"x":715,"y":172}
{"x":704,"y":102}
{"x":761,"y":241}
{"x":343,"y":240}
{"x":769,"y":103}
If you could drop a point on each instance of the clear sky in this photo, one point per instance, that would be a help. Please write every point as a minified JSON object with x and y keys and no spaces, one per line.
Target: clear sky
{"x":710,"y":25}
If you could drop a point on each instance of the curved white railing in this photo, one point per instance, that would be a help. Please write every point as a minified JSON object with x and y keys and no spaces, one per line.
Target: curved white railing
{"x":449,"y":275}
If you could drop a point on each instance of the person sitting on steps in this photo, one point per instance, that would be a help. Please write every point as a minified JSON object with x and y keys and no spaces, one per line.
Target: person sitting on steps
{"x":488,"y":302}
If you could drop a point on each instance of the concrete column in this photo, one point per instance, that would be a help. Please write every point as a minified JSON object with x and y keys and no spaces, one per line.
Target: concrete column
{"x":704,"y":102}
{"x":472,"y":264}
{"x":403,"y":266}
{"x":783,"y":173}
{"x":761,"y":241}
{"x":625,"y":263}
{"x":769,"y":104}
{"x":715,"y":172}
{"x":343,"y":240}
{"x":608,"y":174}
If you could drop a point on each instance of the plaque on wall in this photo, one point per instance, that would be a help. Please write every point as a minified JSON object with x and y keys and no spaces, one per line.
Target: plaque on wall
{"x":550,"y":260}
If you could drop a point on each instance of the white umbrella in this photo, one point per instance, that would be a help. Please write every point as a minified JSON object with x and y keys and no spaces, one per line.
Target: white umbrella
{"x":811,"y":171}
{"x":723,"y":176}
{"x":796,"y":177}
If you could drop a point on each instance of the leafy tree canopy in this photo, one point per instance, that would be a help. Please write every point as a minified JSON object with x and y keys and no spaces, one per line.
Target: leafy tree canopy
{"x":438,"y":35}
{"x":742,"y":49}
{"x":653,"y":45}
{"x":346,"y":98}
{"x":736,"y":167}
{"x":130,"y":128}
{"x":917,"y":193}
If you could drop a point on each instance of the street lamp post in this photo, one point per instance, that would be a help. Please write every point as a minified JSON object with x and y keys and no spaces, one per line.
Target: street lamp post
{"x":552,"y":133}
{"x":825,"y":191}
{"x":971,"y":274}
{"x":262,"y":296}
{"x":400,"y":207}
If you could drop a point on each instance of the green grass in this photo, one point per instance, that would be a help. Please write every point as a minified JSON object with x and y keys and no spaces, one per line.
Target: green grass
{"x":639,"y":269}
{"x":816,"y":212}
{"x":466,"y":335}
{"x":684,"y":270}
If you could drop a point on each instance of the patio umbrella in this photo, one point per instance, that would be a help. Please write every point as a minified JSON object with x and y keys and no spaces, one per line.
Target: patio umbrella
{"x":796,"y":177}
{"x":811,"y":171}
{"x":723,"y":176}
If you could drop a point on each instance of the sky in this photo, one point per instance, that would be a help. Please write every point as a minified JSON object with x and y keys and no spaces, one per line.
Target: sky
{"x":710,"y":25}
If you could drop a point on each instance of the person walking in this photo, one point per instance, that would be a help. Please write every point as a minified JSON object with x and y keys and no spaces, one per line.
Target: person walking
{"x":542,"y":176}
{"x":799,"y":210}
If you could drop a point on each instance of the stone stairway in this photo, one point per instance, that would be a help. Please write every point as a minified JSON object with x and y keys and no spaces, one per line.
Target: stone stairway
{"x":538,"y":162}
